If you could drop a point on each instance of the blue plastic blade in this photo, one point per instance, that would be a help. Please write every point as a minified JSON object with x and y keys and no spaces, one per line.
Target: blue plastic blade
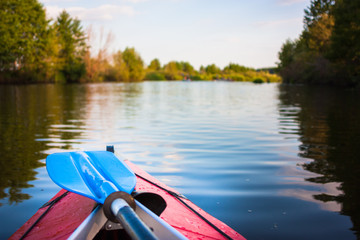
{"x":94,"y":174}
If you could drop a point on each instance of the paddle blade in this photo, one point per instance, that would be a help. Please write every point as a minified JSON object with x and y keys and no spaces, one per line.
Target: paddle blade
{"x":94,"y":174}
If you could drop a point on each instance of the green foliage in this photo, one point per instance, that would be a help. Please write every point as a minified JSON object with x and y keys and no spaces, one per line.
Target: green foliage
{"x":156,"y":76}
{"x":118,"y":71}
{"x":328,"y":50}
{"x":173,"y":71}
{"x":23,"y":33}
{"x":258,"y":80}
{"x":134,"y":64}
{"x":233,"y":72}
{"x":73,"y":71}
{"x":127,"y":66}
{"x":212,"y":69}
{"x":287,"y":53}
{"x":196,"y":77}
{"x":155,"y":65}
{"x":316,"y":10}
{"x":33,"y":50}
{"x":72,"y":47}
{"x":345,"y":47}
{"x":187,"y":68}
{"x":237,"y":77}
{"x":318,"y":35}
{"x":236,"y":68}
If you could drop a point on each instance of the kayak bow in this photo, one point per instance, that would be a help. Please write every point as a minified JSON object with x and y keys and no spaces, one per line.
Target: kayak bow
{"x":98,"y":175}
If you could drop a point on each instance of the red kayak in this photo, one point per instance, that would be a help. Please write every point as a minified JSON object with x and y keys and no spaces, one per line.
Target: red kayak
{"x":67,"y":213}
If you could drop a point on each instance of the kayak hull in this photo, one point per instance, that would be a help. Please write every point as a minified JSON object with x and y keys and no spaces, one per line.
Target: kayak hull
{"x":65,"y":216}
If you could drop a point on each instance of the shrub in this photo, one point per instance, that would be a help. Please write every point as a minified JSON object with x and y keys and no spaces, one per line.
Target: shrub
{"x":155,"y":76}
{"x":258,"y":80}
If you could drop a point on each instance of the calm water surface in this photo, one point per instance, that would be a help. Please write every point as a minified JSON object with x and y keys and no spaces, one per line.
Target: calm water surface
{"x":271,"y":161}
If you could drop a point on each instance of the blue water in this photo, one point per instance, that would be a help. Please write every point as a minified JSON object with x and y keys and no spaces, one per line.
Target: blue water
{"x":240,"y":151}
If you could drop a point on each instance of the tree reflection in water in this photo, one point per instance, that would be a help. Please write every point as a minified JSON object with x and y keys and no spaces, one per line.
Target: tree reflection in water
{"x":36,"y":120}
{"x":329,"y":130}
{"x":26,"y":115}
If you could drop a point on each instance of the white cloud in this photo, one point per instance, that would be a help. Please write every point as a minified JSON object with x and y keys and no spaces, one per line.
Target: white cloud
{"x":289,"y":2}
{"x":101,"y":13}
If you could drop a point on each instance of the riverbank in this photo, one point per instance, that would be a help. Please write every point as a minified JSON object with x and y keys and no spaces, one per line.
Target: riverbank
{"x":247,"y":76}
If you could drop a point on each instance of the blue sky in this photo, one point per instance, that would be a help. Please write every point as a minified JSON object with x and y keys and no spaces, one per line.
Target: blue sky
{"x":202,"y":32}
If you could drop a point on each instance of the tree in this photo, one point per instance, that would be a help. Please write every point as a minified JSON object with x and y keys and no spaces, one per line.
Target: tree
{"x":212,"y":69}
{"x":154,"y":65}
{"x":171,"y":67}
{"x":306,"y":60}
{"x":345,"y":40}
{"x":235,"y":68}
{"x":316,"y":10}
{"x":287,"y":53}
{"x":119,"y":70}
{"x":318,"y":35}
{"x":23,"y":34}
{"x":187,"y":67}
{"x":134,"y":64}
{"x":318,"y":25}
{"x":127,"y":66}
{"x":173,"y":71}
{"x":72,"y":48}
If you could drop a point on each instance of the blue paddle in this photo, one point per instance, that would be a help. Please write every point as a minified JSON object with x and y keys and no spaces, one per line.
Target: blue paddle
{"x":97,"y":175}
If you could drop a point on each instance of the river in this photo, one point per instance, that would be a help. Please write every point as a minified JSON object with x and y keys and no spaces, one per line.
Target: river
{"x":271,"y":161}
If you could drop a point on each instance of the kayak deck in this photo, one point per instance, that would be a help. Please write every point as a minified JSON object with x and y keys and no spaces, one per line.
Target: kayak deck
{"x":69,"y":210}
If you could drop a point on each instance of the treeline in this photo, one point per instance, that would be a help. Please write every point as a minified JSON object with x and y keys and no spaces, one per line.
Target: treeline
{"x":328,"y":49}
{"x":183,"y":70}
{"x":35,"y":49}
{"x":127,"y":66}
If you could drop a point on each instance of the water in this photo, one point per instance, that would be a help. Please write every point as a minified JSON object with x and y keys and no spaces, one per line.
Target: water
{"x":271,"y":161}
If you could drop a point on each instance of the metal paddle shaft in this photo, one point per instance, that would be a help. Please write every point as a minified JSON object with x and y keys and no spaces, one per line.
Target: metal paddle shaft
{"x":129,"y":220}
{"x":96,"y":175}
